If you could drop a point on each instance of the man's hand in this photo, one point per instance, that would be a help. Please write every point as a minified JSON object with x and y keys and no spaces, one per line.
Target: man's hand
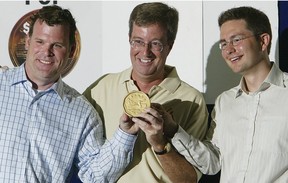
{"x":170,"y":126}
{"x":127,"y":125}
{"x":157,"y":124}
{"x":151,"y":123}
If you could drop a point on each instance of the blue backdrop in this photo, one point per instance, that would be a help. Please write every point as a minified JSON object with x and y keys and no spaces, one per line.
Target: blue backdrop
{"x":283,"y":34}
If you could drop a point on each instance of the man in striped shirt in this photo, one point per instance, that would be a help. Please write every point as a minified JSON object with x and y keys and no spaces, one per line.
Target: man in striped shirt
{"x":46,"y":127}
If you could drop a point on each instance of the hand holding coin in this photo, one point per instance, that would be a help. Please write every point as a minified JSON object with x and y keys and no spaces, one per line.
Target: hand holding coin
{"x":136,"y":102}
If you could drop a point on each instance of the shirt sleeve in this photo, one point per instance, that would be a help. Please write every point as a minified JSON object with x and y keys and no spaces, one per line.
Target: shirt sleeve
{"x":202,"y":155}
{"x":121,"y":151}
{"x":101,"y":160}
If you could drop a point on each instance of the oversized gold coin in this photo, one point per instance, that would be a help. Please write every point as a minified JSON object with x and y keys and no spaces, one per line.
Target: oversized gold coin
{"x":135,"y":102}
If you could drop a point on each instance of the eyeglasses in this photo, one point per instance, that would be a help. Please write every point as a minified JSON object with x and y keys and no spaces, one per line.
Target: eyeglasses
{"x":140,"y":45}
{"x":235,"y":41}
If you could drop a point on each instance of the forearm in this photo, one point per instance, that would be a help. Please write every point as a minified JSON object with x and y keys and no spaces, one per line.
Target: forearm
{"x":177,"y":168}
{"x":202,"y":155}
{"x":106,"y":162}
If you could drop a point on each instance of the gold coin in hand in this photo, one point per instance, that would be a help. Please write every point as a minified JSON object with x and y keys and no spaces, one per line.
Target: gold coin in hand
{"x":135,"y":102}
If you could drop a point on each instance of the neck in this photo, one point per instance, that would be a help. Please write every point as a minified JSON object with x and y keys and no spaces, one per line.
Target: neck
{"x":255,"y":78}
{"x":145,"y":84}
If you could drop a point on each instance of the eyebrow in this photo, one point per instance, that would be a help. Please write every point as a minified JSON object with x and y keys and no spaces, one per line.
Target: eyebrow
{"x":223,"y":40}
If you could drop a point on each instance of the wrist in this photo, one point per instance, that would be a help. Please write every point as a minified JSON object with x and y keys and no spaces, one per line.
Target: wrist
{"x":167,"y":148}
{"x":172,"y":131}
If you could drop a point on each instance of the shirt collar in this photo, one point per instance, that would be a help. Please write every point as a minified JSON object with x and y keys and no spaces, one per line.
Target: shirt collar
{"x":274,"y":77}
{"x":20,"y":77}
{"x":172,"y":80}
{"x":170,"y":83}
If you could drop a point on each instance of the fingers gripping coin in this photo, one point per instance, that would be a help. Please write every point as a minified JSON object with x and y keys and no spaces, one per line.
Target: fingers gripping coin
{"x":135,"y":103}
{"x":150,"y":121}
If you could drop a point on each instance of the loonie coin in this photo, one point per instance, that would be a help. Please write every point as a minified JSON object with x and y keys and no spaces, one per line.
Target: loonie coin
{"x":135,"y":102}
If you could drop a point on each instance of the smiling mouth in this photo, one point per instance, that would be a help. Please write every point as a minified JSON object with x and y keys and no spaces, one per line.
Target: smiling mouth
{"x":44,"y":62}
{"x":234,"y":59}
{"x":146,"y":60}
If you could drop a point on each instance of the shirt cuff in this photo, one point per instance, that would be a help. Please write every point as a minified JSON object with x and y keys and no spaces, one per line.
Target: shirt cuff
{"x":181,"y":138}
{"x":125,"y":139}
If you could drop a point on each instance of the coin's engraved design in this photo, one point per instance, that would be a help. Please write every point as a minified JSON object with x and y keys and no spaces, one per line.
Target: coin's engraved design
{"x":135,"y":103}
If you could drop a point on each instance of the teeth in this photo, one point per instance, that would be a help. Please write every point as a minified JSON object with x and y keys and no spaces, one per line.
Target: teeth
{"x":145,"y":61}
{"x":44,"y":62}
{"x":233,"y":59}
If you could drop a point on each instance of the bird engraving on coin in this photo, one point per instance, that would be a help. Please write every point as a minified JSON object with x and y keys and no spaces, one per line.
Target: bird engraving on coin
{"x":135,"y":102}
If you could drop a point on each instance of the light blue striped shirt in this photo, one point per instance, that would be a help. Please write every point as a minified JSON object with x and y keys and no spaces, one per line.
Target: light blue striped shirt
{"x":43,"y":134}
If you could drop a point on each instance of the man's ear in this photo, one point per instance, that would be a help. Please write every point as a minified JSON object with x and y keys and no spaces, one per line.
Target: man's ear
{"x":265,"y":40}
{"x":72,"y":50}
{"x":171,"y":46}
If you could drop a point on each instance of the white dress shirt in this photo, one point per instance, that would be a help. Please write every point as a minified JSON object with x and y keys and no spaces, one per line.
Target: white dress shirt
{"x":248,"y":138}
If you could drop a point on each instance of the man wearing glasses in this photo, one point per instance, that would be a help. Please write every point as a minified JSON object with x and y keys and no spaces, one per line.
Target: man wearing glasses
{"x":248,"y":138}
{"x":152,"y":31}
